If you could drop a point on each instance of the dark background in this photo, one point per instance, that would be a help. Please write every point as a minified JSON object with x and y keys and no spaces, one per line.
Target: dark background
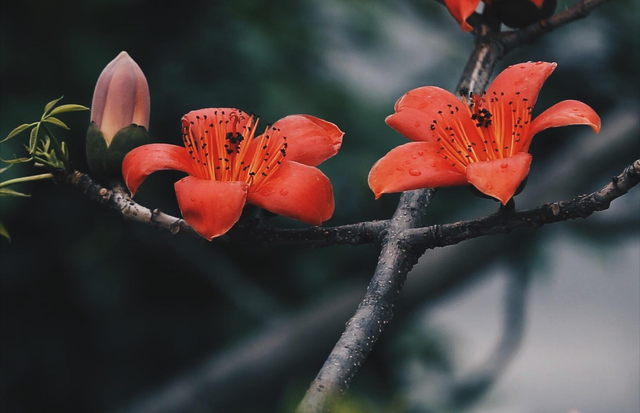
{"x":97,"y":312}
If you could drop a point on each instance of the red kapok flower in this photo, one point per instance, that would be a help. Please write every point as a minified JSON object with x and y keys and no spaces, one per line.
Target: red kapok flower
{"x":228,"y":166}
{"x":484,"y":143}
{"x":513,"y":13}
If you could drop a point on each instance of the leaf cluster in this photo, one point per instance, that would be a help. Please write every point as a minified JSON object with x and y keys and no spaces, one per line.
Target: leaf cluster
{"x":43,"y":149}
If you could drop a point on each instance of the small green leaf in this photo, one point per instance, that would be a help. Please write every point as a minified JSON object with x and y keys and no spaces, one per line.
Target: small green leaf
{"x":50,"y":105}
{"x":5,"y":168}
{"x":56,"y":121}
{"x":17,"y":131}
{"x":11,"y":192}
{"x":25,"y":179}
{"x":67,"y":108}
{"x":17,"y":160}
{"x":4,"y":232}
{"x":33,"y":139}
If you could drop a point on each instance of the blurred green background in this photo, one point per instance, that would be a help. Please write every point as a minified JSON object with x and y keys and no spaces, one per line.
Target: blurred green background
{"x":98,"y":314}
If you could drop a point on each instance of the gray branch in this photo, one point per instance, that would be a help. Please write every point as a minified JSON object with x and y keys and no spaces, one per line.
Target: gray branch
{"x":398,"y":256}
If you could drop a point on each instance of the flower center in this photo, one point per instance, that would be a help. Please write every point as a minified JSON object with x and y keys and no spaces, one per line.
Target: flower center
{"x":223,"y":147}
{"x":498,"y":128}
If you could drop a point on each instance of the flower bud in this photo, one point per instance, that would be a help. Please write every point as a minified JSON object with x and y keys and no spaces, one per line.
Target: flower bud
{"x":521,"y":13}
{"x":119,"y":116}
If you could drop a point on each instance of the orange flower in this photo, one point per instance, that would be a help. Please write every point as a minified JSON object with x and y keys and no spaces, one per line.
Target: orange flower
{"x":513,"y":13}
{"x":484,"y":142}
{"x":228,"y":166}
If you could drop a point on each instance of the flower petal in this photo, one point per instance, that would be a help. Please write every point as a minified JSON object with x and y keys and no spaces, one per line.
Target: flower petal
{"x":310,"y":140}
{"x":412,"y":166}
{"x":210,"y":207}
{"x":461,"y":10}
{"x":500,"y":178}
{"x":565,"y":113}
{"x":144,"y":160}
{"x":234,"y":119}
{"x":521,"y":82}
{"x":422,"y":114}
{"x":296,"y":191}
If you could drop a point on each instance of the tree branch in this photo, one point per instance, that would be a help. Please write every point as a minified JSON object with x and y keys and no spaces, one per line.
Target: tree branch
{"x":252,"y":231}
{"x":398,"y":256}
{"x":512,"y":40}
{"x":503,"y":223}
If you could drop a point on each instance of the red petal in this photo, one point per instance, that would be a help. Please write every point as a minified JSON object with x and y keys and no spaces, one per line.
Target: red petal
{"x":310,"y":140}
{"x":297,"y":191}
{"x":461,"y":10}
{"x":521,"y":81}
{"x":144,"y":160}
{"x":501,"y":177}
{"x":565,"y":113}
{"x":418,"y":108}
{"x":226,"y":115}
{"x":412,"y":166}
{"x":210,"y":207}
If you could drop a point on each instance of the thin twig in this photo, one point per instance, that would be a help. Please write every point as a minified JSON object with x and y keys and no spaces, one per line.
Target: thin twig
{"x":502,"y":223}
{"x":253,"y":231}
{"x":514,"y":39}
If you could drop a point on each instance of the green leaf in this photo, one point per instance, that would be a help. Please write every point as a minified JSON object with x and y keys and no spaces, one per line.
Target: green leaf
{"x":4,"y":232}
{"x":17,"y":131}
{"x":33,"y":139}
{"x":17,"y":160}
{"x":25,"y":179}
{"x":5,"y":168}
{"x":50,"y":105}
{"x":56,"y":121}
{"x":11,"y":192}
{"x":67,"y":108}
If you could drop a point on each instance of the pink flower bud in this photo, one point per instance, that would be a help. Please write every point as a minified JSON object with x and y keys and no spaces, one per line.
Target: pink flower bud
{"x":121,"y":97}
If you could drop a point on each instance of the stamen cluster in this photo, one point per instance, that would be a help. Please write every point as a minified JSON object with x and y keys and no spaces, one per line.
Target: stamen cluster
{"x":499,"y":129}
{"x":222,"y":148}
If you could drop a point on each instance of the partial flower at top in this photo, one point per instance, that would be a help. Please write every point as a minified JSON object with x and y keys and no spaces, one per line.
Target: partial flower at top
{"x":483,"y":141}
{"x":513,"y":13}
{"x":229,"y":166}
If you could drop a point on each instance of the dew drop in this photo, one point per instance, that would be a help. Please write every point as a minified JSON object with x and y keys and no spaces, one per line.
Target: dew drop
{"x":420,"y":153}
{"x":414,"y":172}
{"x":504,"y":166}
{"x":414,"y":156}
{"x":432,"y":164}
{"x":284,"y":191}
{"x":399,"y":168}
{"x":266,"y":192}
{"x":417,"y":124}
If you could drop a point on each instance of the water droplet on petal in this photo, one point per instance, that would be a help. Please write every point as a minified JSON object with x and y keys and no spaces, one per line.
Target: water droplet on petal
{"x":420,"y":153}
{"x":284,"y":191}
{"x":432,"y":164}
{"x":504,"y":166}
{"x":414,"y":172}
{"x":399,"y":168}
{"x":193,"y":200}
{"x":266,"y":192}
{"x":417,"y":124}
{"x":414,"y":156}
